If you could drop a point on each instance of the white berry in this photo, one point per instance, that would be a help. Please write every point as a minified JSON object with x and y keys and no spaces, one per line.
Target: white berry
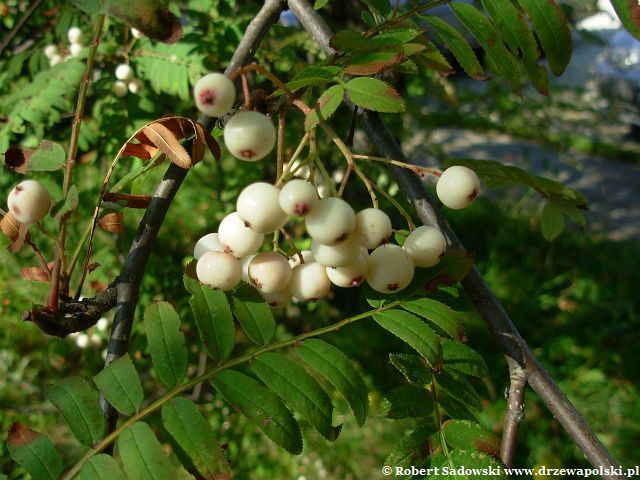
{"x":75,"y":49}
{"x":390,"y":269}
{"x":249,"y":136}
{"x":75,"y":35}
{"x":55,"y":60}
{"x":136,"y":33}
{"x":219,"y":270}
{"x":330,"y":221}
{"x":119,"y":88}
{"x":29,"y":202}
{"x":50,"y":50}
{"x":277,"y":299}
{"x":298,"y":197}
{"x":373,"y":227}
{"x":425,"y":245}
{"x":307,"y":255}
{"x":207,"y":243}
{"x":136,"y":86}
{"x":309,"y":281}
{"x":82,"y":340}
{"x":237,"y":238}
{"x":244,"y":263}
{"x":322,"y":186}
{"x":270,"y":272}
{"x":124,"y":72}
{"x":214,"y":94}
{"x":102,"y":324}
{"x":259,"y":207}
{"x":338,"y":255}
{"x":458,"y":187}
{"x":353,"y":274}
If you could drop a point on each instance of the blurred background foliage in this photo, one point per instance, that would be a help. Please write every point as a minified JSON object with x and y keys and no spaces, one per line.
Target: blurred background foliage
{"x":575,"y":299}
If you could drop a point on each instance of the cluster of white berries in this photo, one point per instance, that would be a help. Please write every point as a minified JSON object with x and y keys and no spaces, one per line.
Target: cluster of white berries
{"x":248,"y":135}
{"x":76,"y":45}
{"x":84,"y":340}
{"x":29,"y":202}
{"x":125,"y":81}
{"x":346,"y":248}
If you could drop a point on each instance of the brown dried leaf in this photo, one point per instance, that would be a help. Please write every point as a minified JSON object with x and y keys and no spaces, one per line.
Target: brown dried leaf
{"x":35,"y":274}
{"x":132,"y":201}
{"x":212,"y":144}
{"x":168,"y":143}
{"x":10,"y":226}
{"x":92,"y":266}
{"x":197,"y":148}
{"x":112,"y":222}
{"x":377,"y":64}
{"x":140,"y":150}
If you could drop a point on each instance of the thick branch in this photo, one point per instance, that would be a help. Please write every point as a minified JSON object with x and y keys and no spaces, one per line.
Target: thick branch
{"x":485,"y":302}
{"x":515,"y":411}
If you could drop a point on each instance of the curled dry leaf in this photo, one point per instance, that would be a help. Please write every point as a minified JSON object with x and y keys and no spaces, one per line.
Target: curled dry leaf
{"x":141,"y":150}
{"x":10,"y":226}
{"x":112,"y":222}
{"x":35,"y":274}
{"x":131,"y":201}
{"x":169,"y":144}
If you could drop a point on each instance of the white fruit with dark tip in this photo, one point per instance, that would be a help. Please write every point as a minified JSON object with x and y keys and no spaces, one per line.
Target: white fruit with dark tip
{"x":373,"y":227}
{"x":75,"y":49}
{"x":214,"y":94}
{"x":270,"y":272}
{"x":353,"y":274}
{"x":136,"y":86}
{"x":124,"y":72}
{"x":458,"y":187}
{"x":75,"y":35}
{"x":207,"y":243}
{"x":338,"y":255}
{"x":331,"y":221}
{"x":219,"y":270}
{"x":298,"y":197}
{"x":249,"y":136}
{"x":307,"y":256}
{"x":425,"y":245}
{"x":29,"y":202}
{"x":259,"y":207}
{"x":309,"y":281}
{"x":390,"y":269}
{"x":50,"y":50}
{"x":277,"y":299}
{"x":119,"y":88}
{"x":237,"y":238}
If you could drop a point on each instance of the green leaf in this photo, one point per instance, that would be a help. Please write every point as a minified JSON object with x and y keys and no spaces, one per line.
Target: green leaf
{"x":120,"y":385}
{"x":313,"y":76}
{"x":319,"y":4}
{"x":254,"y":314}
{"x":66,"y":206}
{"x":461,"y":358}
{"x":460,"y":389}
{"x":412,"y":367}
{"x":191,"y":431}
{"x":79,"y":405}
{"x":349,"y":41}
{"x":48,"y":157}
{"x":407,"y":402}
{"x":487,"y":467}
{"x":471,"y":436}
{"x":488,"y":37}
{"x":412,"y":450}
{"x":396,"y":36}
{"x":374,"y":94}
{"x":370,"y":63}
{"x":454,"y":408}
{"x":166,"y":343}
{"x":34,"y":452}
{"x":101,"y":467}
{"x":213,"y":317}
{"x":337,"y":369}
{"x":261,"y":406}
{"x":379,"y":7}
{"x":326,"y":105}
{"x":629,"y":13}
{"x":551,"y":221}
{"x":459,"y":47}
{"x":413,"y":331}
{"x":298,"y":389}
{"x":552,"y":30}
{"x":142,"y":455}
{"x":443,"y":317}
{"x":518,"y":36}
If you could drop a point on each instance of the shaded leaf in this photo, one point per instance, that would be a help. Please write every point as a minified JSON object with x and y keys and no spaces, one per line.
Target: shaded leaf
{"x":414,"y":368}
{"x":460,"y":389}
{"x":369,"y":63}
{"x":412,"y":450}
{"x":166,"y":343}
{"x":78,"y":403}
{"x":261,"y":406}
{"x":298,"y":389}
{"x":461,"y":358}
{"x":374,"y":94}
{"x":379,"y":7}
{"x":34,"y":452}
{"x":443,"y":317}
{"x":313,"y":76}
{"x":112,"y":222}
{"x":407,"y":402}
{"x":467,"y":435}
{"x":349,"y":41}
{"x":254,"y":315}
{"x":487,"y":467}
{"x":629,"y":13}
{"x":336,"y":368}
{"x":130,"y":201}
{"x":326,"y":105}
{"x":213,"y":317}
{"x":551,"y":221}
{"x":195,"y":436}
{"x":120,"y":385}
{"x":454,"y":408}
{"x":101,"y":467}
{"x":142,"y":455}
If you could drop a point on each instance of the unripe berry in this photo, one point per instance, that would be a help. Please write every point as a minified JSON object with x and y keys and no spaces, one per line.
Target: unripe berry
{"x":50,"y":50}
{"x":353,"y":274}
{"x":237,"y":238}
{"x":330,"y":221}
{"x":136,"y":86}
{"x":249,"y":136}
{"x":124,"y":72}
{"x":425,"y":245}
{"x":119,"y":88}
{"x":458,"y":187}
{"x":136,"y":33}
{"x":219,"y":270}
{"x":75,"y":49}
{"x":29,"y":202}
{"x":309,"y":281}
{"x":75,"y":35}
{"x":338,"y":255}
{"x":373,"y":227}
{"x":277,"y":299}
{"x":208,"y":243}
{"x":307,"y":255}
{"x":298,"y":197}
{"x":214,"y":94}
{"x":390,"y":269}
{"x":270,"y":272}
{"x":258,"y":206}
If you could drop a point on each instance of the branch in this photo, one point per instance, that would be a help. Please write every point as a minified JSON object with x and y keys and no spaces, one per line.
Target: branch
{"x":515,"y":412}
{"x":509,"y":339}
